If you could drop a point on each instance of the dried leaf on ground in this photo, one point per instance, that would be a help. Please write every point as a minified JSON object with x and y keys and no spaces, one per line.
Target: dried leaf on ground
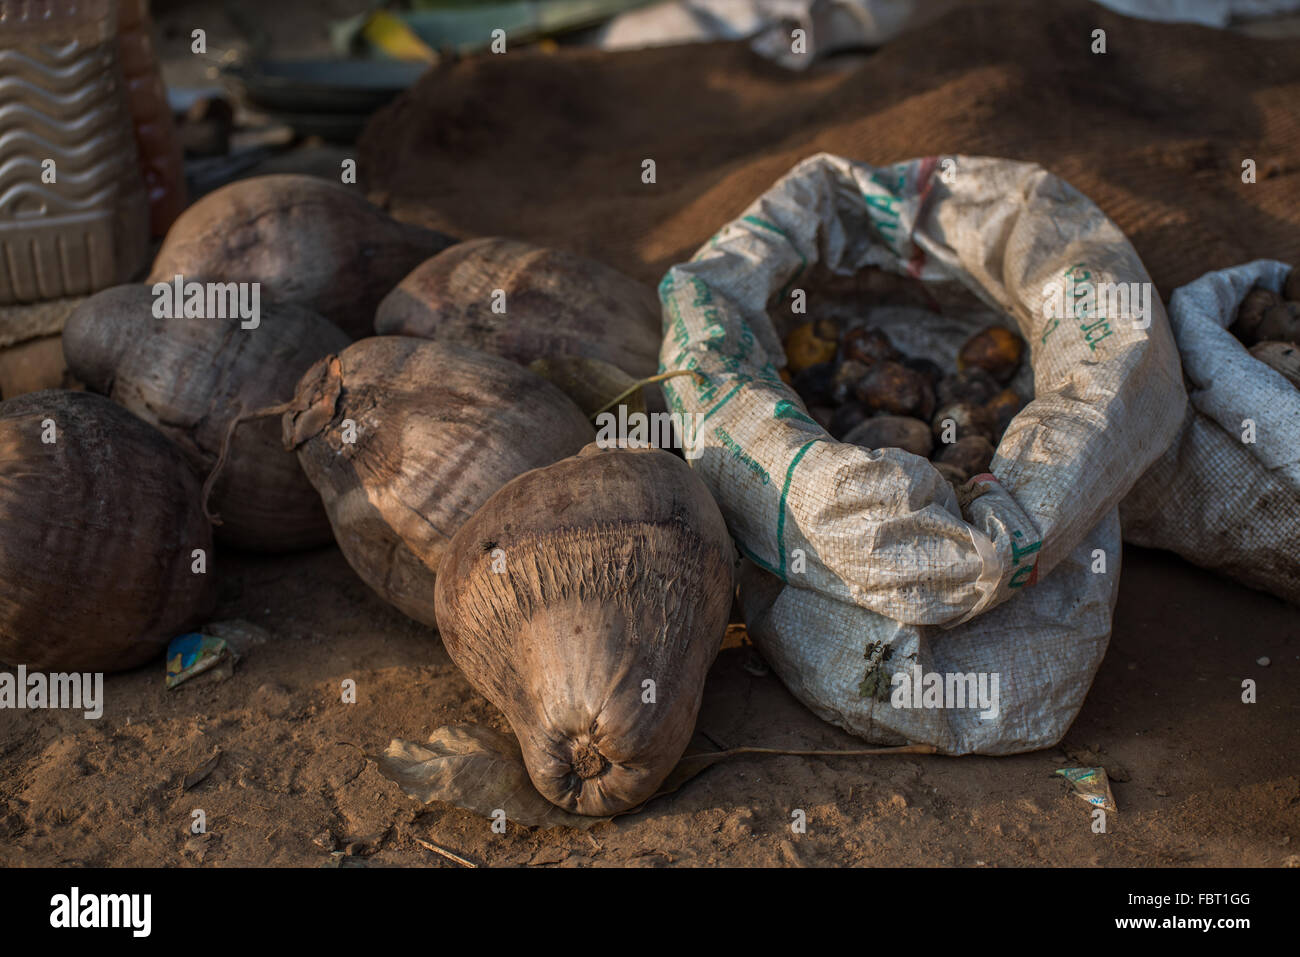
{"x":199,"y":774}
{"x":482,"y":770}
{"x":474,"y":768}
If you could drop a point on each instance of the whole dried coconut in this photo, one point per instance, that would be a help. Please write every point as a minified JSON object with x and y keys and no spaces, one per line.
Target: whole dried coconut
{"x":308,"y":241}
{"x":587,"y":601}
{"x":191,"y":378}
{"x":99,"y":527}
{"x":526,"y":302}
{"x":405,"y":438}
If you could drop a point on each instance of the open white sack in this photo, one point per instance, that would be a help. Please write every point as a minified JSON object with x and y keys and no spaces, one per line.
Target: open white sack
{"x":861,"y":555}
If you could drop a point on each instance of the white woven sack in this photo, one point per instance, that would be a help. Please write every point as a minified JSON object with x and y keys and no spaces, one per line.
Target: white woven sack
{"x":1215,"y":499}
{"x":862,"y":553}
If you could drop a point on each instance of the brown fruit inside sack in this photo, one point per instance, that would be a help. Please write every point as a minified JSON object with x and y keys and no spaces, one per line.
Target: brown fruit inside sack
{"x":996,"y":350}
{"x":1269,"y":325}
{"x":866,"y":391}
{"x":1291,"y":288}
{"x":1003,"y":408}
{"x":810,"y":344}
{"x":972,"y":454}
{"x":958,"y":420}
{"x":1250,"y":314}
{"x":893,"y":432}
{"x":1281,"y":357}
{"x":892,"y":388}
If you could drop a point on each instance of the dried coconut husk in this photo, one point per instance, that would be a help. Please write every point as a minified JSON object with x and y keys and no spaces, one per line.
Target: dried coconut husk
{"x":555,"y":304}
{"x":435,"y":429}
{"x":97,"y":534}
{"x":308,"y":241}
{"x":191,"y":378}
{"x":587,"y":601}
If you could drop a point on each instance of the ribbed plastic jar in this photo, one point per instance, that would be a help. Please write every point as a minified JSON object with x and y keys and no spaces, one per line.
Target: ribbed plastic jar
{"x":74,"y":215}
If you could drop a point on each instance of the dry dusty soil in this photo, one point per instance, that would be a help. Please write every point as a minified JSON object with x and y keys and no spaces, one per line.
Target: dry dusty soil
{"x":1202,"y":779}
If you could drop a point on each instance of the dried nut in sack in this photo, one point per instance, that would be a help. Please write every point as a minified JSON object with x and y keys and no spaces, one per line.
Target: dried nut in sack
{"x":846,"y":417}
{"x":893,"y":432}
{"x":306,"y":240}
{"x":971,"y":454}
{"x":405,"y":438}
{"x":596,"y":641}
{"x":105,"y":555}
{"x":952,"y":473}
{"x":972,"y":385}
{"x":1250,"y":314}
{"x":816,"y":384}
{"x":1003,"y":407}
{"x":877,"y":397}
{"x":892,"y":387}
{"x":822,"y":415}
{"x":960,"y":419}
{"x":811,"y":344}
{"x":931,"y":370}
{"x":996,"y":350}
{"x":844,"y":383}
{"x":868,"y":346}
{"x":1281,"y":357}
{"x":1280,"y":324}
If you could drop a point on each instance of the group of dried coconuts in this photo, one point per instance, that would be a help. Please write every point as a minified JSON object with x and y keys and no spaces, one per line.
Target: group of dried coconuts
{"x":463,"y":486}
{"x":1269,"y":325}
{"x":865,"y":392}
{"x":385,"y":403}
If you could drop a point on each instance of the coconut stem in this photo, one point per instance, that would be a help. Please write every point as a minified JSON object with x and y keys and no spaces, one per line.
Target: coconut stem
{"x":851,"y":752}
{"x":587,"y":761}
{"x":211,"y":480}
{"x":642,"y":384}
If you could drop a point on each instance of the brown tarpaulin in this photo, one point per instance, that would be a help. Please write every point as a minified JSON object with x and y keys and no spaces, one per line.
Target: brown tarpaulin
{"x":549,"y":148}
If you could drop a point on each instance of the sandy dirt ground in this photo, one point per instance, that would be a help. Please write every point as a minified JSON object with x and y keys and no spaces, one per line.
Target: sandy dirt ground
{"x":1201,"y":778}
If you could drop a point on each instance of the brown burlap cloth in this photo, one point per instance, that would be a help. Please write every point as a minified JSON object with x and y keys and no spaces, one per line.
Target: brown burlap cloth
{"x":549,"y":148}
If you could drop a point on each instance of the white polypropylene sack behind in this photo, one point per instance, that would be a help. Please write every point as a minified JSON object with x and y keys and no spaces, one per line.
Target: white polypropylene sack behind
{"x":881,"y":531}
{"x":1213,"y":498}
